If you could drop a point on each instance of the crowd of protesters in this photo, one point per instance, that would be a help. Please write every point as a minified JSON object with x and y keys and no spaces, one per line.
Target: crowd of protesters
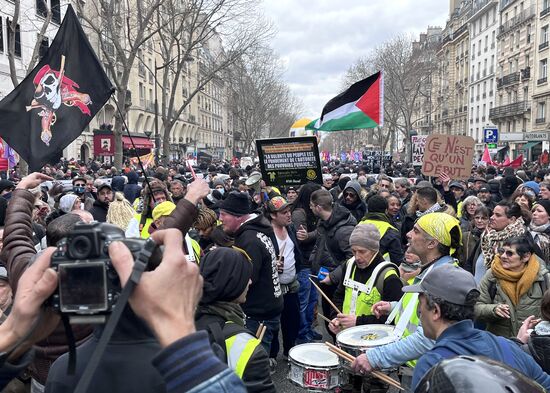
{"x":384,"y":243}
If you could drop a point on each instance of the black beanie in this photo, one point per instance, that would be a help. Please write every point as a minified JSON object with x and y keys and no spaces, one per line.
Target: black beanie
{"x":226,"y":273}
{"x":377,"y":204}
{"x":237,"y":203}
{"x":545,"y":203}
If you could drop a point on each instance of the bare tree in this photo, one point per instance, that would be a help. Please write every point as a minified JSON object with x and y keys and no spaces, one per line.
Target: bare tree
{"x":408,"y":77}
{"x":121,"y":29}
{"x":256,"y":89}
{"x":212,"y":33}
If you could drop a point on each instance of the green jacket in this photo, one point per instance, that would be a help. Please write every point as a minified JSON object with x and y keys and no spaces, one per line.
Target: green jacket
{"x":529,"y":303}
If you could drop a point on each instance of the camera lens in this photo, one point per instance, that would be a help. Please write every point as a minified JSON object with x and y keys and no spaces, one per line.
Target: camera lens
{"x":80,"y":247}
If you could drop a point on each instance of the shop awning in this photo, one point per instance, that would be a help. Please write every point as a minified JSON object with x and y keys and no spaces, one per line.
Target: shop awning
{"x":529,"y":145}
{"x":140,"y":142}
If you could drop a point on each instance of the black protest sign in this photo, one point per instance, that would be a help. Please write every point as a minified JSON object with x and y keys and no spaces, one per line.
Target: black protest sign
{"x":289,"y":161}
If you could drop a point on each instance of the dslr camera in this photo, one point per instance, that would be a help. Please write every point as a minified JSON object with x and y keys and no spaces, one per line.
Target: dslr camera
{"x":88,"y":283}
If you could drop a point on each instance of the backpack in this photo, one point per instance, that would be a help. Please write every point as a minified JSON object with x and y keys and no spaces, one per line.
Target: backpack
{"x":493,"y":286}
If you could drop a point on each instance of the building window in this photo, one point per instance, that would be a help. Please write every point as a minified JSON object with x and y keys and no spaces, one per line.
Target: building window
{"x":42,"y":9}
{"x":541,"y":110}
{"x":1,"y":35}
{"x":17,"y":38}
{"x":543,"y":66}
{"x":544,"y":34}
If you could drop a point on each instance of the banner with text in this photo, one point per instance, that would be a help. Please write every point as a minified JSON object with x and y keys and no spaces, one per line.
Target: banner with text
{"x":289,"y":161}
{"x":452,"y":154}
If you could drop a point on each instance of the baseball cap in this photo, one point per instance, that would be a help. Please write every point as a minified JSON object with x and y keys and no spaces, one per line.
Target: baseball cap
{"x":163,"y":209}
{"x":448,"y":282}
{"x":484,"y":189}
{"x":457,"y":185}
{"x":276,"y":204}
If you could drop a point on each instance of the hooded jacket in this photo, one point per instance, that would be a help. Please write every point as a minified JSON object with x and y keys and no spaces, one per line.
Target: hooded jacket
{"x":358,"y":208}
{"x":332,"y":245}
{"x":130,"y":352}
{"x":264,"y":299}
{"x":132,"y":190}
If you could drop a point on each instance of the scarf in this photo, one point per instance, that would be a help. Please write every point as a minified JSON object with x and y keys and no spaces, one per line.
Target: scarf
{"x":431,"y":209}
{"x":539,"y":228}
{"x":516,"y":284}
{"x":491,"y":240}
{"x":377,"y":217}
{"x":230,"y":312}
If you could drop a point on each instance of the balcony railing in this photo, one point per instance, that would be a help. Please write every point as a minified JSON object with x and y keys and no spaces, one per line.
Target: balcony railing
{"x":507,"y":80}
{"x":524,"y":15}
{"x":541,"y":120}
{"x":515,"y":109}
{"x":526,"y":73}
{"x":545,"y":12}
{"x":541,"y":81}
{"x":544,"y":45}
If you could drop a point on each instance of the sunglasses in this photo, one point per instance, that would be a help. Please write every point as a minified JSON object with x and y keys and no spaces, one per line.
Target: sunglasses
{"x":509,"y":253}
{"x":349,"y":194}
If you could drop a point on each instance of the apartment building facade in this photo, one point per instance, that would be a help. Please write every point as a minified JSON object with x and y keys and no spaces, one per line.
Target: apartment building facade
{"x":483,"y":26}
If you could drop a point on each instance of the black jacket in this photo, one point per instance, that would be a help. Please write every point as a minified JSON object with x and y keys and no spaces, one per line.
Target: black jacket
{"x":264,"y":299}
{"x":125,"y":367}
{"x":99,"y":211}
{"x":357,"y":209}
{"x":332,"y":245}
{"x":256,"y":376}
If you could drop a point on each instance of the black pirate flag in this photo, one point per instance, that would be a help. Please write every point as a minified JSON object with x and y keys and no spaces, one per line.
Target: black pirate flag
{"x":56,"y":101}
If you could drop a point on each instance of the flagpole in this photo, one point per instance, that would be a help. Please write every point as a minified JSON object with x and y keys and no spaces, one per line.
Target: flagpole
{"x":135,"y":150}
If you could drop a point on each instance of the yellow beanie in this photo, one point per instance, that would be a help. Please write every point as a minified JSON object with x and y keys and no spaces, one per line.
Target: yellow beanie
{"x":163,"y":209}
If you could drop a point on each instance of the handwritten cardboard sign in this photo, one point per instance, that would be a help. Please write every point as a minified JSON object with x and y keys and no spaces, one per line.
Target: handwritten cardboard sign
{"x":418,"y":142}
{"x":452,"y":154}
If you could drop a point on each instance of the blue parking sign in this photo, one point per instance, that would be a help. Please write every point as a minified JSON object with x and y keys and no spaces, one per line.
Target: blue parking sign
{"x":490,"y":135}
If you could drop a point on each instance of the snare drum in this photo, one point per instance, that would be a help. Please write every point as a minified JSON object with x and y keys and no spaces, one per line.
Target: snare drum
{"x":356,"y":339}
{"x":314,"y":367}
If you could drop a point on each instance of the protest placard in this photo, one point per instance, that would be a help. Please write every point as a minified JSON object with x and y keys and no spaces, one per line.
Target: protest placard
{"x":289,"y":161}
{"x":417,"y":144}
{"x":452,"y":154}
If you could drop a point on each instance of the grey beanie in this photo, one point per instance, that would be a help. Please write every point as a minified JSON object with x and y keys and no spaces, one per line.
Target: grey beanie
{"x":354,"y":185}
{"x":365,"y":235}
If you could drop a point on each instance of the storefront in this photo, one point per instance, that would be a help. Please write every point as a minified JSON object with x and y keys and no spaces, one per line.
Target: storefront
{"x":132,"y":146}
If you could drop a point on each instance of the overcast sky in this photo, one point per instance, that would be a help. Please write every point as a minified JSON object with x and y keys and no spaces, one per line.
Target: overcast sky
{"x":318,"y":40}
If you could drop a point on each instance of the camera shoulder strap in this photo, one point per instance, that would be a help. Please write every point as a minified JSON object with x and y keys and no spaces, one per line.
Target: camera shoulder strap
{"x":139,"y":267}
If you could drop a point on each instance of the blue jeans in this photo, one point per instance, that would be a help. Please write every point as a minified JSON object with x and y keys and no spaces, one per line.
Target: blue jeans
{"x":308,"y":298}
{"x":272,"y":328}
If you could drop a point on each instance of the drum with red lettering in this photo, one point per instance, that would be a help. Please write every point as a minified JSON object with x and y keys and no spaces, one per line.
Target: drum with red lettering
{"x":314,"y":367}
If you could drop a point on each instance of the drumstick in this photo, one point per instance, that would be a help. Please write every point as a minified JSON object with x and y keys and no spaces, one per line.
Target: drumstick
{"x":259,"y":330}
{"x":262,"y":333}
{"x":325,"y":318}
{"x":325,"y":297}
{"x":350,"y":358}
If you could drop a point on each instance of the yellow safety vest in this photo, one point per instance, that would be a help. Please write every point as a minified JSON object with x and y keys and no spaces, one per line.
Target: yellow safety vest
{"x":144,"y":232}
{"x":382,"y":227}
{"x":239,"y":349}
{"x":368,"y":295}
{"x":197,"y":251}
{"x":459,"y":209}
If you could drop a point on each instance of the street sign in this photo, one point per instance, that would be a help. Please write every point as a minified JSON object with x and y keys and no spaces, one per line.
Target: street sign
{"x":536,"y":136}
{"x":490,"y":135}
{"x":491,"y":145}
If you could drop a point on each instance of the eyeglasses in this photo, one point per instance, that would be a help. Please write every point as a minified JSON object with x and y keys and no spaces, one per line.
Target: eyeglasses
{"x":349,"y":194}
{"x":509,"y":253}
{"x":80,"y":185}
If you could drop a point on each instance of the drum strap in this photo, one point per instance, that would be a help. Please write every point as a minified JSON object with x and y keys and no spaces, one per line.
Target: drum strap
{"x":357,"y":286}
{"x":407,"y":313}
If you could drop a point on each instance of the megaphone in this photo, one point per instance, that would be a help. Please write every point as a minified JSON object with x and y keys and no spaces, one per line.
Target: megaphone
{"x":253,"y":181}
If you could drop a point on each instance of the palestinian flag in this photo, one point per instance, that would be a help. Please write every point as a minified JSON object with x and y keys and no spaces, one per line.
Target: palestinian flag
{"x":361,"y":106}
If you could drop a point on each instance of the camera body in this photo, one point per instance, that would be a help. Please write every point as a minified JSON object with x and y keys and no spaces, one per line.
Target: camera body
{"x":88,"y":282}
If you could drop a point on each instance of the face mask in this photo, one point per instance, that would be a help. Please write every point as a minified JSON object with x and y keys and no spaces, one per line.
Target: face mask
{"x":221,"y":190}
{"x":78,"y":190}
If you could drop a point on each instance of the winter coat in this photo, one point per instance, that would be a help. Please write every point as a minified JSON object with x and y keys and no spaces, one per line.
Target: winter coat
{"x":332,"y":245}
{"x":538,"y":345}
{"x":132,"y":190}
{"x":99,"y":211}
{"x":529,"y":303}
{"x":299,"y":219}
{"x":470,"y":249}
{"x":264,"y":299}
{"x":17,"y":253}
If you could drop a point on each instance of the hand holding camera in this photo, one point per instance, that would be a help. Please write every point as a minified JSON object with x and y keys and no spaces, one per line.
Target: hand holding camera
{"x":166,"y":298}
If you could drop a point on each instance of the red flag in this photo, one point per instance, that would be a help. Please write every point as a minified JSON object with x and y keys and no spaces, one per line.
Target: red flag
{"x":191,"y":170}
{"x":487,"y":157}
{"x":506,"y":161}
{"x":517,"y":162}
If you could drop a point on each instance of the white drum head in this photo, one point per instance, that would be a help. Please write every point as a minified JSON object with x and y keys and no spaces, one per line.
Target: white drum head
{"x":313,"y":354}
{"x":364,"y":336}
